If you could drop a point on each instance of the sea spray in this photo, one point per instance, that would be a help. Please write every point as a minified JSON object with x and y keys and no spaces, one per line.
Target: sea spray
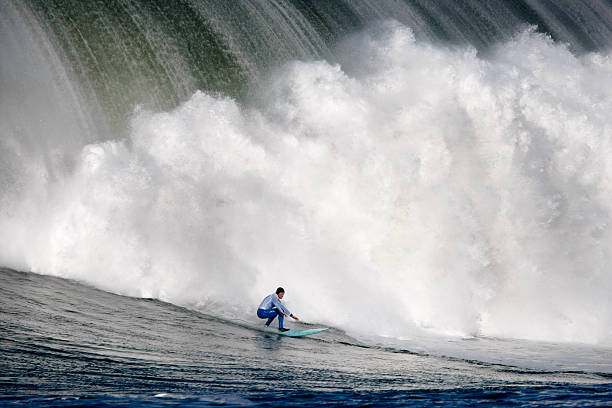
{"x":409,"y":186}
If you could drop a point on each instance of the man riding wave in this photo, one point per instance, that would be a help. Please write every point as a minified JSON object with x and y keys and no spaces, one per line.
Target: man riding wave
{"x":271,"y":307}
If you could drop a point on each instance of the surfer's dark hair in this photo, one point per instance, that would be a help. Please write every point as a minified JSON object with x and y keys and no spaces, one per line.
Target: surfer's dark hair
{"x":280,"y":290}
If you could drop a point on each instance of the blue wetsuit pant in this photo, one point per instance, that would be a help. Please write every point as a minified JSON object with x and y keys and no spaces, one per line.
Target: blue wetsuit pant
{"x":270,"y":314}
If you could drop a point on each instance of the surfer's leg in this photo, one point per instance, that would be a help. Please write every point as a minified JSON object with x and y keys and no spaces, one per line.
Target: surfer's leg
{"x":272,"y":317}
{"x":269,"y":314}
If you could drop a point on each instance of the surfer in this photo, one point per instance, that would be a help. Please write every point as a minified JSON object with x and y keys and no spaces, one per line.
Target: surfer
{"x":271,"y":307}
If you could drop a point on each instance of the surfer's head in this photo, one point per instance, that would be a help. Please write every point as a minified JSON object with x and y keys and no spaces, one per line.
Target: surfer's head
{"x":280,"y":292}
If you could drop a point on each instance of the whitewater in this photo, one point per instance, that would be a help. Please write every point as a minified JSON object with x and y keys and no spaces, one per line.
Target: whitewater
{"x":417,"y":196}
{"x":463,"y":194}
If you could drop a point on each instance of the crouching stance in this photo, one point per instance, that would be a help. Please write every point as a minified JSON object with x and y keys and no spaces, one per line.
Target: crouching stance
{"x":271,"y":307}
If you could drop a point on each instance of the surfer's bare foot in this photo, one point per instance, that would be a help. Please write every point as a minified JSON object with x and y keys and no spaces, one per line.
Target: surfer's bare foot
{"x":282,"y":329}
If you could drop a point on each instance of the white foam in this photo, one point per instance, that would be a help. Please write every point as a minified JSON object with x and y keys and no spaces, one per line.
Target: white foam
{"x":411,"y":186}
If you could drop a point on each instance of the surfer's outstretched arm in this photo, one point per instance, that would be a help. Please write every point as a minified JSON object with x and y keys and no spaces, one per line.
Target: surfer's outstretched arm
{"x":291,"y":315}
{"x":283,"y":309}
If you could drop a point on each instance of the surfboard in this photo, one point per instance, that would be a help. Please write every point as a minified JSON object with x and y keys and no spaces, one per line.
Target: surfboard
{"x":298,"y":332}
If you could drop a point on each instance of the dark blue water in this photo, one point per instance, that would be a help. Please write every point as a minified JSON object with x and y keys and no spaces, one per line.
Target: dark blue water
{"x":65,"y":344}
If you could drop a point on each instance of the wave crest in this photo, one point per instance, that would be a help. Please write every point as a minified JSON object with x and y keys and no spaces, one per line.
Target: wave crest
{"x":409,"y":186}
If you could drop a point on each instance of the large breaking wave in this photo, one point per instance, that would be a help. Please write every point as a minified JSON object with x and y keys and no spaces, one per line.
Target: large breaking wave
{"x":408,"y":186}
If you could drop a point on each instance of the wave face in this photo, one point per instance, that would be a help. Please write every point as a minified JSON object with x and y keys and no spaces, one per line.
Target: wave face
{"x":447,"y":170}
{"x":66,"y":344}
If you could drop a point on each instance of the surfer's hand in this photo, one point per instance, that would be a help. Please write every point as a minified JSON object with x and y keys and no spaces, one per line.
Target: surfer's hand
{"x":295,"y":317}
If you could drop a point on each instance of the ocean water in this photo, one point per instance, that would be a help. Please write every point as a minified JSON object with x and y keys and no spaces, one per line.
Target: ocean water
{"x":66,"y":344}
{"x":428,"y":179}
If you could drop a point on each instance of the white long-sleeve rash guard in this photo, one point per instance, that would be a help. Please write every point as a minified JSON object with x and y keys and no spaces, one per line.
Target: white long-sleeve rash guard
{"x":273,"y":300}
